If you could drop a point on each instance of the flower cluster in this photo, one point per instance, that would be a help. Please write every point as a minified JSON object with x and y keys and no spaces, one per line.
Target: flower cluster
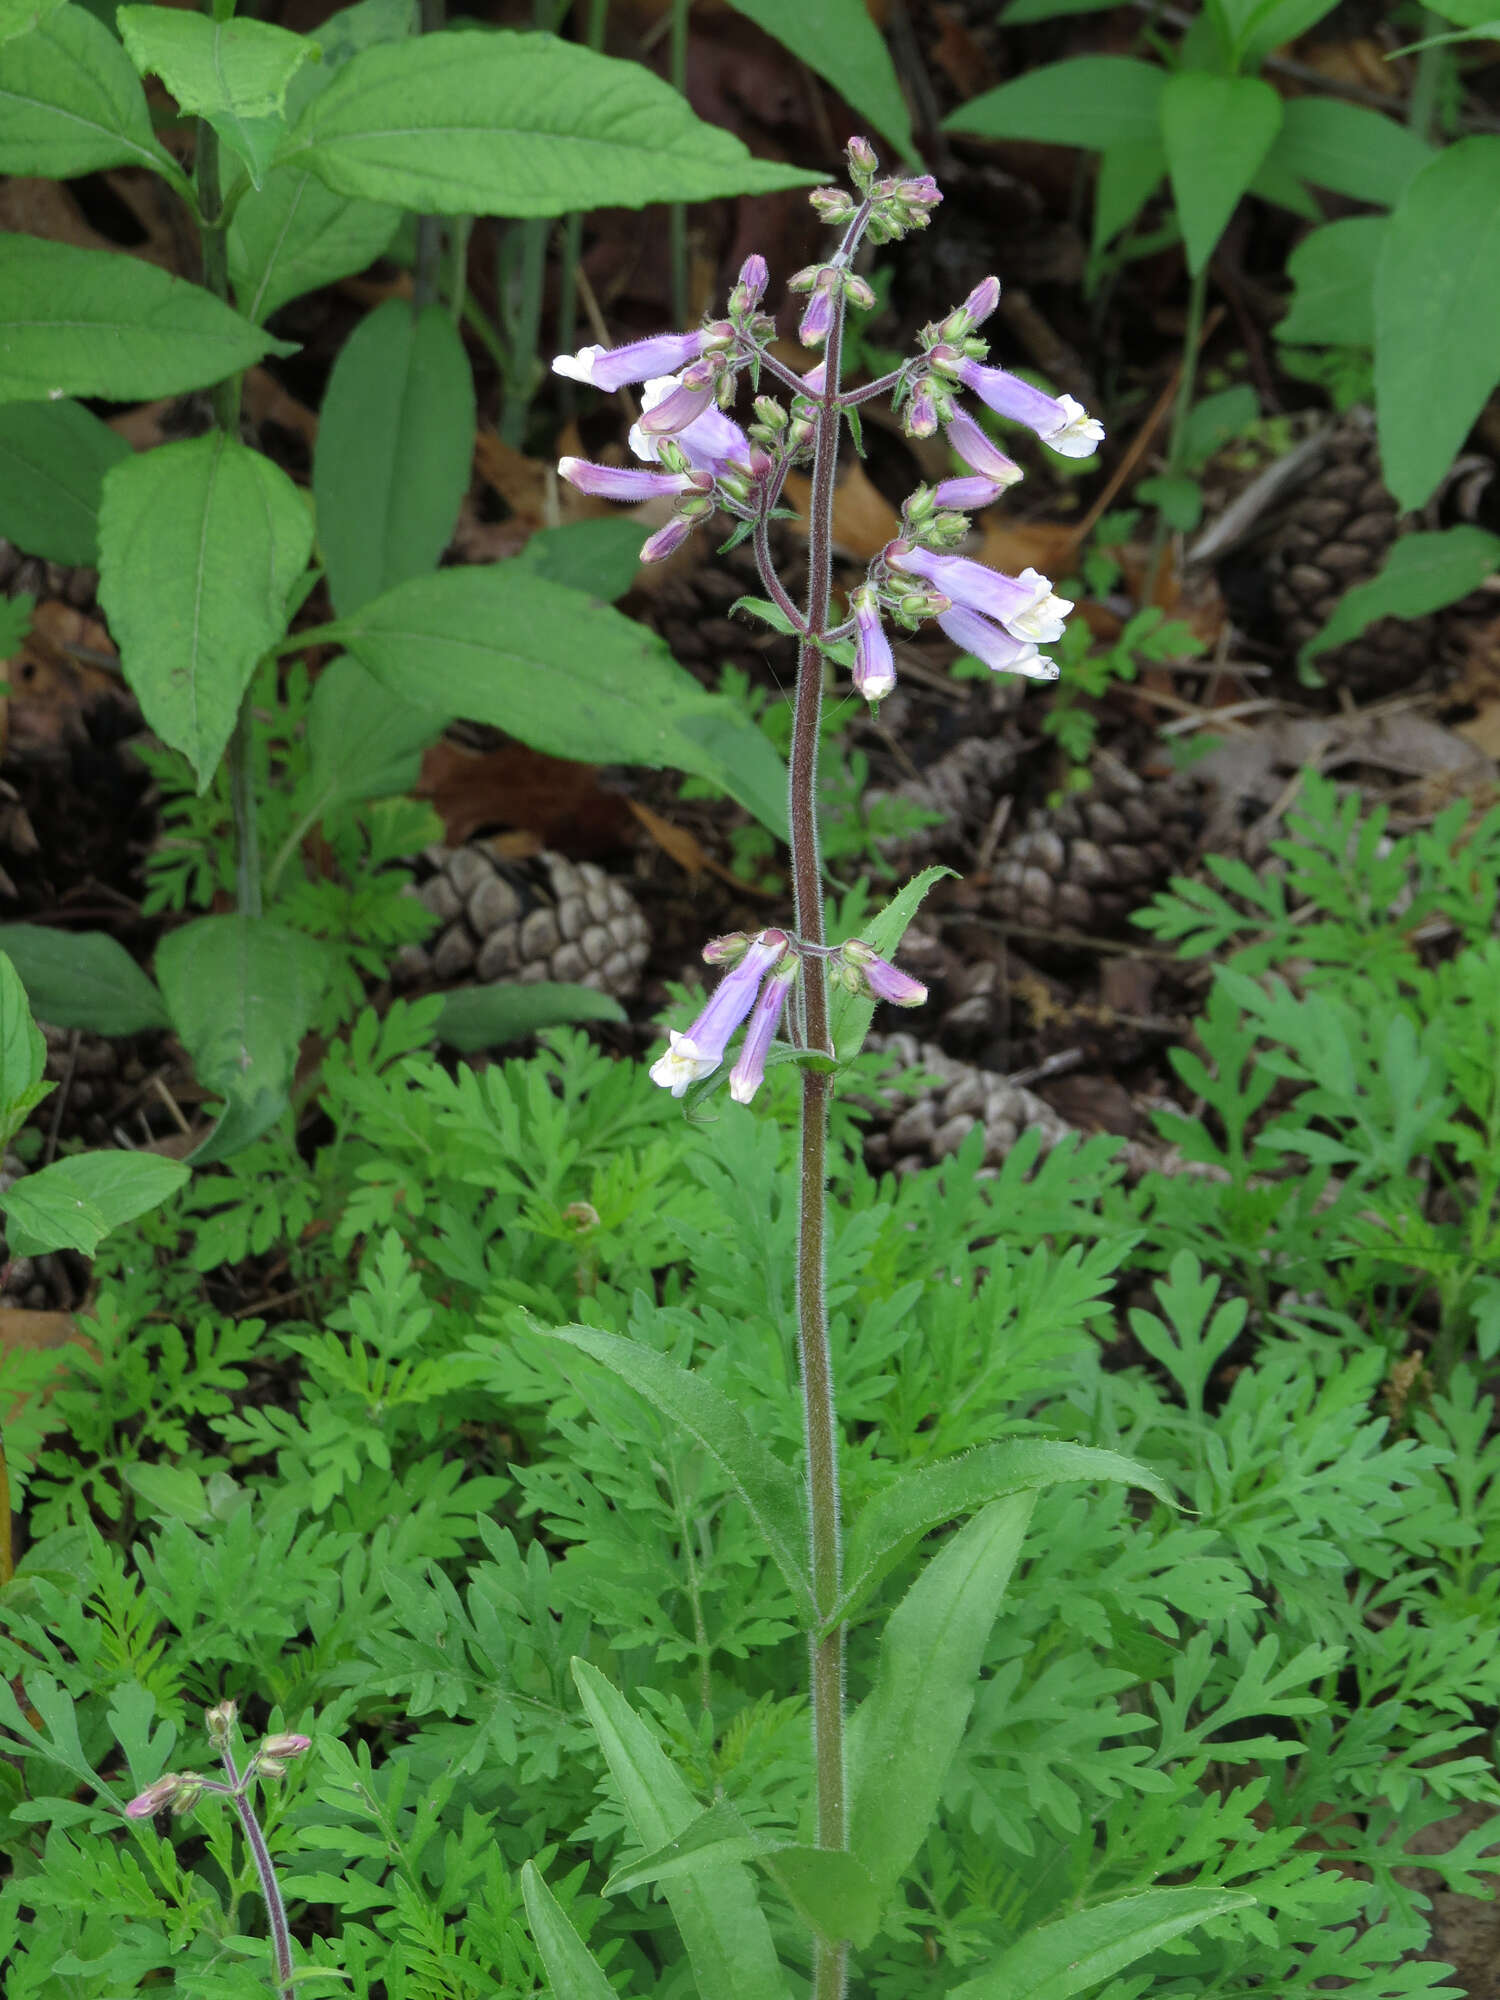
{"x":763,"y":971}
{"x":177,"y":1791}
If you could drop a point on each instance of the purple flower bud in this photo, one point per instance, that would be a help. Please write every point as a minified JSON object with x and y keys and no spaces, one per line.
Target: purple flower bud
{"x":966,"y":494}
{"x":982,"y":301}
{"x":700,"y":1050}
{"x":286,"y":1744}
{"x":831,"y":205}
{"x":1058,"y":421}
{"x":627,"y":482}
{"x":874,"y":663}
{"x":1024,"y":604}
{"x":884,"y":980}
{"x":726,"y":950}
{"x":708,"y":442}
{"x":858,"y":291}
{"x":815,"y":381}
{"x":975,"y":448}
{"x":682,"y":405}
{"x":996,"y":648}
{"x":817,"y":319}
{"x":156,"y":1798}
{"x":667,"y":540}
{"x":920,"y":418}
{"x":613,"y":367}
{"x":923,"y":192}
{"x":861,"y":156}
{"x":749,"y":1072}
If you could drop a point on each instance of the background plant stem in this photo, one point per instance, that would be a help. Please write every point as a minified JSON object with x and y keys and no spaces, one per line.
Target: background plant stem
{"x":820,"y":1416}
{"x":1192,"y":340}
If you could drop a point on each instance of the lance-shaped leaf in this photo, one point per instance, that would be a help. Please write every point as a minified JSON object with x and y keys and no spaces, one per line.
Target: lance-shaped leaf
{"x":53,"y":458}
{"x":1422,"y":573}
{"x":83,"y":979}
{"x":567,"y":675}
{"x":93,"y":323}
{"x":838,"y":40}
{"x":70,"y":103}
{"x":200,"y":544}
{"x":1084,"y":1949}
{"x":932,"y":1494}
{"x":850,"y":1014}
{"x":242,"y":992}
{"x":395,"y":442}
{"x":768,"y":1488}
{"x":23,"y":1055}
{"x":904,"y":1735}
{"x":572,"y":1970}
{"x":1217,"y":130}
{"x":723,"y":1927}
{"x":516,"y":124}
{"x":1094,"y":101}
{"x":74,"y":1203}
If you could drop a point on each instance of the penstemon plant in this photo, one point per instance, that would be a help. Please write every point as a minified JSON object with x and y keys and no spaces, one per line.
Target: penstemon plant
{"x":875,"y":1789}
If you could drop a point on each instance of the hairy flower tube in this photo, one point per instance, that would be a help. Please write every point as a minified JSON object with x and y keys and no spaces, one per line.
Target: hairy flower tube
{"x":692,"y":392}
{"x":627,"y":482}
{"x":613,"y":367}
{"x":749,"y":1072}
{"x":978,"y":451}
{"x":700,"y":1050}
{"x":1059,"y":421}
{"x":995,"y":647}
{"x":1024,"y":604}
{"x":874,"y":663}
{"x":867,"y":970}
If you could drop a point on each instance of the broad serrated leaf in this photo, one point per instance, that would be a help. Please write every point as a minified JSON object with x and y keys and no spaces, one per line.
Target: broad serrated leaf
{"x":74,"y":1203}
{"x":1333,"y":278}
{"x":71,"y":103}
{"x":395,"y":444}
{"x":1086,"y":1947}
{"x":242,"y":992}
{"x":362,"y":743}
{"x":1216,"y":131}
{"x":233,"y":73}
{"x":563,"y":673}
{"x":928,"y":1496}
{"x":905,"y":1733}
{"x":850,"y":1014}
{"x":53,"y":458}
{"x":727,"y":1938}
{"x":839,"y":41}
{"x":768,"y":1489}
{"x":600,"y":557}
{"x":1093,"y":101}
{"x":1437,"y":303}
{"x":466,"y":123}
{"x":292,"y":235}
{"x":572,"y":1971}
{"x":201,"y":544}
{"x":487,"y":1017}
{"x":83,"y":979}
{"x":1422,"y":573}
{"x":1349,"y":149}
{"x":22,"y":17}
{"x":93,"y":323}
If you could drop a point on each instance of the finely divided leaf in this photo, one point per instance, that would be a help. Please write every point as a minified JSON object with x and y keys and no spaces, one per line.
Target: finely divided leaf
{"x":1437,"y":304}
{"x":466,"y":123}
{"x":93,"y":323}
{"x":932,"y":1494}
{"x":1087,"y":1947}
{"x":1093,"y":101}
{"x":395,"y":443}
{"x":768,"y":1488}
{"x":563,"y":673}
{"x":715,"y":1908}
{"x":83,"y":979}
{"x":838,"y":40}
{"x":70,"y":103}
{"x":201,"y":543}
{"x":53,"y":458}
{"x":1217,"y":130}
{"x":904,"y":1735}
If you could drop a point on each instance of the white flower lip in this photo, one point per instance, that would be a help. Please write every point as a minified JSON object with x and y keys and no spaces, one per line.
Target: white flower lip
{"x":578,"y":367}
{"x":1079,"y":435}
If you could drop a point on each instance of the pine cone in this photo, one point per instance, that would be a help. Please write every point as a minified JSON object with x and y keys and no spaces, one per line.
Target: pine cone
{"x":29,"y":575}
{"x":546,"y":918}
{"x":910,"y":1132}
{"x":962,"y":785}
{"x":1086,"y":864}
{"x":1334,"y":532}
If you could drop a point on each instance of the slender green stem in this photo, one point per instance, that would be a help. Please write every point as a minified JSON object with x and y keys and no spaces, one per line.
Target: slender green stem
{"x":677,"y":213}
{"x":524,"y":328}
{"x":572,"y":242}
{"x":1181,"y":410}
{"x":820,"y":1415}
{"x":1421,"y":109}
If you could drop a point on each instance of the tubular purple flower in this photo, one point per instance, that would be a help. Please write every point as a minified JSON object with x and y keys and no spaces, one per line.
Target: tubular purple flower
{"x":613,"y":367}
{"x":999,"y":651}
{"x":874,"y":663}
{"x":750,"y":286}
{"x":884,"y":980}
{"x":710,"y":441}
{"x":978,"y":451}
{"x":817,"y":319}
{"x":1024,"y":604}
{"x":749,"y":1072}
{"x":667,"y":540}
{"x":156,"y":1798}
{"x":683,"y":404}
{"x":966,"y":494}
{"x":700,"y":1050}
{"x":815,"y":381}
{"x":921,"y":418}
{"x":861,"y":155}
{"x":1058,"y":421}
{"x":626,"y":482}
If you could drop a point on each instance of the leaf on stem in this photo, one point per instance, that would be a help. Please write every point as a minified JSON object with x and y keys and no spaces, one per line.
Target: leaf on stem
{"x":572,"y":1970}
{"x":850,"y":1014}
{"x":71,"y":103}
{"x":1086,"y":1947}
{"x":1217,"y":130}
{"x":83,"y":979}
